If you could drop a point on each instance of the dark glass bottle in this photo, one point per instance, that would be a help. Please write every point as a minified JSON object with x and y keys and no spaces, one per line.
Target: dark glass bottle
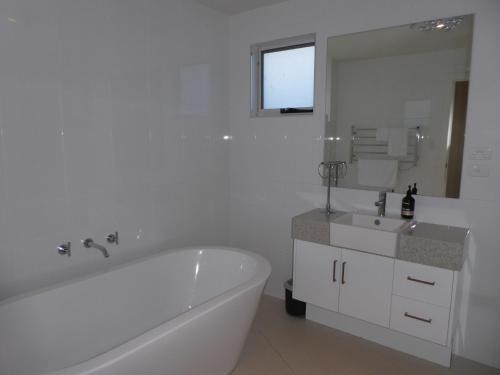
{"x":414,"y":191}
{"x":408,"y":205}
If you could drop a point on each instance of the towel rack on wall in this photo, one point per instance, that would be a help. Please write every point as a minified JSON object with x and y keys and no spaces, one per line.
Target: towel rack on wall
{"x":364,"y":143}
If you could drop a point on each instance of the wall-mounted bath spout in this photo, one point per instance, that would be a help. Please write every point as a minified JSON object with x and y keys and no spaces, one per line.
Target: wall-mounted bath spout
{"x":89,"y":242}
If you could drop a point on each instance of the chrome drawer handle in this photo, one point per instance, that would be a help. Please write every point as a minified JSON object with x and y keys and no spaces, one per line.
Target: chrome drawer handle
{"x":334,"y":278}
{"x":432,"y":283}
{"x":418,"y":318}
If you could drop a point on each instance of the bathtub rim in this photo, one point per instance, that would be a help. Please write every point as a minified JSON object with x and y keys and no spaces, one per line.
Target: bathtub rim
{"x":125,"y":264}
{"x":113,"y":355}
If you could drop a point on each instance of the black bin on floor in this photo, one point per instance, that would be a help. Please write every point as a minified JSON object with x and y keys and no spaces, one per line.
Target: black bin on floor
{"x":293,"y":306}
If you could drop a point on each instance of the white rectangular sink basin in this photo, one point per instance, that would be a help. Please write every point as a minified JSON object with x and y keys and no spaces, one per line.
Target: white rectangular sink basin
{"x":373,"y":234}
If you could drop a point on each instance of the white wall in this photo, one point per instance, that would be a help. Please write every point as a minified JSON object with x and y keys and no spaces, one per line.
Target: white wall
{"x":111,"y":118}
{"x":273,"y":161}
{"x":399,"y":91}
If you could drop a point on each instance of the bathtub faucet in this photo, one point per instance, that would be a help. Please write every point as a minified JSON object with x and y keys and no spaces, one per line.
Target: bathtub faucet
{"x":89,"y":242}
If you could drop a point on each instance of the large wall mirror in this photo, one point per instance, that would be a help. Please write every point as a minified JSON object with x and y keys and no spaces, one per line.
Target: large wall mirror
{"x":396,"y":106}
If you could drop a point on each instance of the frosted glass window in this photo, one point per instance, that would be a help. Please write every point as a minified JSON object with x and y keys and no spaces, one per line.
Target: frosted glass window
{"x":288,"y":77}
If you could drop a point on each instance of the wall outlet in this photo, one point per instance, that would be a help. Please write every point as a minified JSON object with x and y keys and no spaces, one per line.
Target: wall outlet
{"x":481,"y":153}
{"x":479,"y":170}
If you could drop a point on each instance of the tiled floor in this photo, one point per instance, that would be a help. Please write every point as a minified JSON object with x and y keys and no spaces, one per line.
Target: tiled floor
{"x":283,"y":345}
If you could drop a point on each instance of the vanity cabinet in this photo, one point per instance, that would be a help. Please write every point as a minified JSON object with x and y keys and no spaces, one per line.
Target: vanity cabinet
{"x":316,"y":274}
{"x":346,"y":281}
{"x":398,"y":288}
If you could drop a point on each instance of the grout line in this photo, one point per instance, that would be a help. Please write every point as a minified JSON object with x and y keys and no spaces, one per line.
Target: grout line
{"x":275,"y":350}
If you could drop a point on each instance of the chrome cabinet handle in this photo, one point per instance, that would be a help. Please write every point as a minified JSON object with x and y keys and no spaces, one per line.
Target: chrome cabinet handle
{"x":343,"y":272}
{"x":431,"y":283}
{"x":418,"y":318}
{"x":334,"y":278}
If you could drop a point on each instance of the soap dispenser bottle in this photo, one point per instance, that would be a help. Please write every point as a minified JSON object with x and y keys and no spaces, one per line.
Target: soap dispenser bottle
{"x":414,"y":191}
{"x":408,"y":205}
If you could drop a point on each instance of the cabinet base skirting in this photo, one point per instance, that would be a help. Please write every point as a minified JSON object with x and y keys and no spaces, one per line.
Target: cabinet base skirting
{"x":384,"y":336}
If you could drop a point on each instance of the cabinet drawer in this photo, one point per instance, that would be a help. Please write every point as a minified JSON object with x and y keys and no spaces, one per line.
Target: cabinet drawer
{"x":424,"y":283}
{"x":420,"y":319}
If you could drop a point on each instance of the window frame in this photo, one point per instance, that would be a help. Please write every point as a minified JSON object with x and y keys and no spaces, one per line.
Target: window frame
{"x":257,"y":52}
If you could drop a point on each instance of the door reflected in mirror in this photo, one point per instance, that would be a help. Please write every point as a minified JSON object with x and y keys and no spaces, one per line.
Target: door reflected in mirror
{"x":396,"y":106}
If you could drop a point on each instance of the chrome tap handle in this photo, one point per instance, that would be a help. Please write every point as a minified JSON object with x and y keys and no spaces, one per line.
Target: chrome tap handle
{"x":64,"y":249}
{"x":112,"y":238}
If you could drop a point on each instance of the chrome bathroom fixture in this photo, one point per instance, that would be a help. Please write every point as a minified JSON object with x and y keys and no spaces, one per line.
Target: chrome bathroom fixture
{"x":112,"y":238}
{"x":340,"y":171}
{"x":89,"y":242}
{"x":444,"y":24}
{"x":382,"y":200}
{"x":64,"y":249}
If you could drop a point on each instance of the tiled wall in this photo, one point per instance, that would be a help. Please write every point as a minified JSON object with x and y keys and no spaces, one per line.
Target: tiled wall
{"x":110,"y":119}
{"x":273,"y":161}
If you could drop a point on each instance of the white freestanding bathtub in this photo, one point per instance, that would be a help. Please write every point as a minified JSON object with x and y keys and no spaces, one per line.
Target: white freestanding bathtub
{"x":181,"y":312}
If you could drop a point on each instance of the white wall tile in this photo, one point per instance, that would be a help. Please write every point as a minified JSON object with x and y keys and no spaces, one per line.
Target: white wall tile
{"x":94,"y":137}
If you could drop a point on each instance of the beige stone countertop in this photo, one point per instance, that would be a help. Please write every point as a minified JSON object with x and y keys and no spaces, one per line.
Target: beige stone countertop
{"x":437,"y":232}
{"x":433,"y":245}
{"x":314,"y":226}
{"x":424,"y":243}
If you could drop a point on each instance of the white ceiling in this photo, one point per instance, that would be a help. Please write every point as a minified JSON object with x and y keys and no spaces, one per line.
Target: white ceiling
{"x":237,"y":6}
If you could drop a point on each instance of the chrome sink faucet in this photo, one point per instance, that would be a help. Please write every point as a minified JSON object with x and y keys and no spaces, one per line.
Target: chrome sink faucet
{"x":89,"y":242}
{"x":382,"y":199}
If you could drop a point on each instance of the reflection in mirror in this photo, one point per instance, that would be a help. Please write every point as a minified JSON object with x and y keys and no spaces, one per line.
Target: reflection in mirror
{"x":396,"y":106}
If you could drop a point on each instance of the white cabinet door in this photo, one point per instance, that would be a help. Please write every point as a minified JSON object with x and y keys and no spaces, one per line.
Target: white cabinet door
{"x":316,"y":274}
{"x":366,"y":286}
